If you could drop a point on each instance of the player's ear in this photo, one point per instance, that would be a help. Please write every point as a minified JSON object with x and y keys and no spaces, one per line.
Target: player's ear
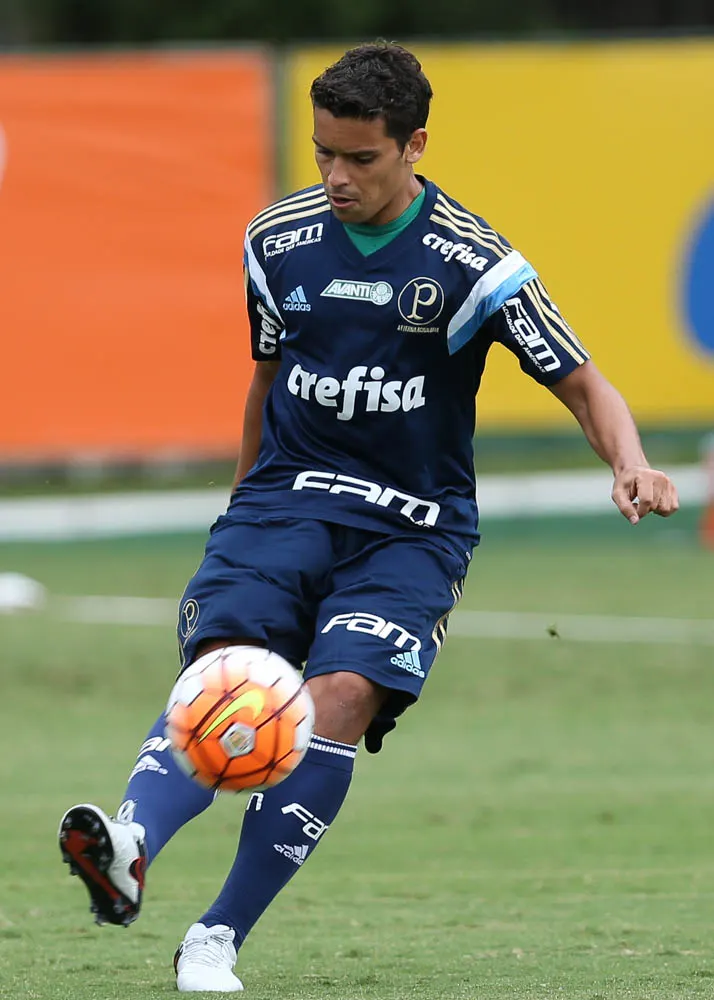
{"x":414,"y":149}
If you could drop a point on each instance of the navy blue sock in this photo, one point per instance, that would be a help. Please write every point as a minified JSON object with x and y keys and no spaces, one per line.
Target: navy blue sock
{"x":281,"y":828}
{"x":159,"y":795}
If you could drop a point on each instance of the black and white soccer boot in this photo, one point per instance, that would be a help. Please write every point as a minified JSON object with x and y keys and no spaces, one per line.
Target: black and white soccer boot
{"x":109,"y":857}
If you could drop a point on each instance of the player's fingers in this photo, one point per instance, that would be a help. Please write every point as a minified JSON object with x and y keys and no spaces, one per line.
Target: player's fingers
{"x":622,"y":498}
{"x":645,"y":495}
{"x":668,"y":502}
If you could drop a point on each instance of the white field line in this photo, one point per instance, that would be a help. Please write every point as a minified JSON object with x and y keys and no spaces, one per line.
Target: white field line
{"x":120,"y":514}
{"x":464,"y":624}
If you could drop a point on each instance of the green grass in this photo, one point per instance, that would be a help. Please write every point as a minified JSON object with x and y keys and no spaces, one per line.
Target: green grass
{"x":539,"y":826}
{"x":495,"y":452}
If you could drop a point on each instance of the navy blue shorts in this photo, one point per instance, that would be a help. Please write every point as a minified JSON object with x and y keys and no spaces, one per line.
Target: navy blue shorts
{"x":328,"y":597}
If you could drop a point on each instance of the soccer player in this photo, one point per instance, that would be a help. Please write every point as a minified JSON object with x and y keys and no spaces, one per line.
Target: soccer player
{"x":374,"y":298}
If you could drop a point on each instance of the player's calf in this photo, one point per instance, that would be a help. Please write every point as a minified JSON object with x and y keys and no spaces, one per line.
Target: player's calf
{"x":109,"y":857}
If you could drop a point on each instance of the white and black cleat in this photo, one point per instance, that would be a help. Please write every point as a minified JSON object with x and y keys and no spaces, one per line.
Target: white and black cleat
{"x":204,"y":961}
{"x":109,"y":857}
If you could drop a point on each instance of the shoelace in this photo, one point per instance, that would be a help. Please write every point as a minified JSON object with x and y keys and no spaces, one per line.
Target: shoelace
{"x":212,"y":950}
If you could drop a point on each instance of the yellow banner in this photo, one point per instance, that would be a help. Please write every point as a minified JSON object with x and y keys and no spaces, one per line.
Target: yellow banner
{"x":597,"y":162}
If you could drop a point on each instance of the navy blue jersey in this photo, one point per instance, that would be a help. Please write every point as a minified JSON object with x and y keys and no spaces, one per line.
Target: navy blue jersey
{"x":371,"y":417}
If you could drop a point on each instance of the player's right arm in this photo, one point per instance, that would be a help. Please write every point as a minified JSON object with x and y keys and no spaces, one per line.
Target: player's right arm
{"x":265,"y":329}
{"x":263,"y":377}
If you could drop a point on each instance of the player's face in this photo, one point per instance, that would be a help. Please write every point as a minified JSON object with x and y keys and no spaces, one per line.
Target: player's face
{"x":366,"y":176}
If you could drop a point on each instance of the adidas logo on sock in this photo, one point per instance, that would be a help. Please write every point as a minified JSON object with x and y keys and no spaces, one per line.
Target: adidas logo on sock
{"x":409,"y":662}
{"x":296,"y":301}
{"x":147,"y":763}
{"x":296,"y":854}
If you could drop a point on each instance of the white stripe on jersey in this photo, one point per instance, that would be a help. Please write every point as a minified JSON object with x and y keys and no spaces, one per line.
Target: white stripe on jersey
{"x":257,"y":276}
{"x":486,"y":286}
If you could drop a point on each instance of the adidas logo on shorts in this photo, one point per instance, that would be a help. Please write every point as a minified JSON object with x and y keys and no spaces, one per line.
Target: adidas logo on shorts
{"x":296,"y":854}
{"x":409,"y":662}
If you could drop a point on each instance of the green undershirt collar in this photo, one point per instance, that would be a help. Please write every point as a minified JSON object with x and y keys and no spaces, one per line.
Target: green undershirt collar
{"x":369,"y":239}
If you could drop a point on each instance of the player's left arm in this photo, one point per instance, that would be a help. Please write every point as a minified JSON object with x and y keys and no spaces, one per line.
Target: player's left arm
{"x":610,"y":428}
{"x":530,"y":325}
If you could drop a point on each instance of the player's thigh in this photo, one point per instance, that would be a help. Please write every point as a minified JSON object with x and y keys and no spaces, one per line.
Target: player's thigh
{"x":259,"y":581}
{"x":385,"y":617}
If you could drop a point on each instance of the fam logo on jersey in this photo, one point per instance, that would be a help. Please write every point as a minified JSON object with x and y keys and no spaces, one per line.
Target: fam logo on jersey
{"x":464,"y":253}
{"x":296,"y":301}
{"x":420,"y":302}
{"x":369,"y":624}
{"x":291,"y":239}
{"x":416,"y":510}
{"x":529,"y":337}
{"x":377,"y":292}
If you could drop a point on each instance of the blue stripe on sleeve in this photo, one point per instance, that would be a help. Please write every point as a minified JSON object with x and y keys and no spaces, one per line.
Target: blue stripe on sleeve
{"x":489,"y":305}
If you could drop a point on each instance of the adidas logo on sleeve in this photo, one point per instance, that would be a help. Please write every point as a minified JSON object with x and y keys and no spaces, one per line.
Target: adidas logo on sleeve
{"x":296,"y":301}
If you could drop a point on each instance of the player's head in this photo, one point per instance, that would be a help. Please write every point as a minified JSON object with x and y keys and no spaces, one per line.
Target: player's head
{"x":370,"y":110}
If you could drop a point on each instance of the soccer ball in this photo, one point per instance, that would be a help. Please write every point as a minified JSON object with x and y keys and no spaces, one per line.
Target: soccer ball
{"x":239,"y":718}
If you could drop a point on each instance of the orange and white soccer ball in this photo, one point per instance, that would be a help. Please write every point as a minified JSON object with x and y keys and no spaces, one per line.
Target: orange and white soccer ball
{"x":239,"y":718}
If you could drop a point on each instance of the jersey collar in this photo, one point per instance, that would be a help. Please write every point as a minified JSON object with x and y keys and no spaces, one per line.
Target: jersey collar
{"x":395,"y":247}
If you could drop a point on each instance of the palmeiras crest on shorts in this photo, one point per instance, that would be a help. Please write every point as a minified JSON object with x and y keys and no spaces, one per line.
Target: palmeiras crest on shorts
{"x":188,"y":618}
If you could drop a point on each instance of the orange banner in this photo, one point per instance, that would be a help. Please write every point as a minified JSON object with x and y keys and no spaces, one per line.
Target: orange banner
{"x":126,"y":183}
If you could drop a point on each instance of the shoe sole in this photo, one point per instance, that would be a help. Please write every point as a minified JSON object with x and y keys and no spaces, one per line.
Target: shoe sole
{"x":86,"y":847}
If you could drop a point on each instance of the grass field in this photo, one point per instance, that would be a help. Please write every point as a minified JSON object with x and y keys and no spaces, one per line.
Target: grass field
{"x":541,"y":825}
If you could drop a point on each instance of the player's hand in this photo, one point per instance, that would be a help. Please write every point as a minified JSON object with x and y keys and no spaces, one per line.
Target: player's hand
{"x":639,"y":490}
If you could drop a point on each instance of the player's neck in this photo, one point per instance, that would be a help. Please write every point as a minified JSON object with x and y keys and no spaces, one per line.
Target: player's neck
{"x":399,"y":204}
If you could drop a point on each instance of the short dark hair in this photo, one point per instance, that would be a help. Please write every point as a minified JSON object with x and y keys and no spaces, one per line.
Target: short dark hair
{"x":378,"y":80}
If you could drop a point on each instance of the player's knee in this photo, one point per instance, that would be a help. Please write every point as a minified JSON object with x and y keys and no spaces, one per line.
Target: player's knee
{"x":345,"y":704}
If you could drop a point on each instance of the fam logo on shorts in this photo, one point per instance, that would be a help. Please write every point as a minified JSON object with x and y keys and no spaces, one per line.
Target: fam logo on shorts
{"x":420,"y":302}
{"x":370,"y":624}
{"x":188,"y":618}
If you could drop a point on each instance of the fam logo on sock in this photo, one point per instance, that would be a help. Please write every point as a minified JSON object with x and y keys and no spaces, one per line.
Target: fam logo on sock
{"x":298,"y":854}
{"x":313,"y":828}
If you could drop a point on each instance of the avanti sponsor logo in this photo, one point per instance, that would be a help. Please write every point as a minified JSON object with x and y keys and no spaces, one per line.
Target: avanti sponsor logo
{"x":280,"y":243}
{"x":378,"y":394}
{"x":377,"y":292}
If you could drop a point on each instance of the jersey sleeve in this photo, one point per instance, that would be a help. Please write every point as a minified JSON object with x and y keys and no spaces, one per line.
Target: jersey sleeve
{"x":266,"y":324}
{"x":530,"y":325}
{"x":501,"y":276}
